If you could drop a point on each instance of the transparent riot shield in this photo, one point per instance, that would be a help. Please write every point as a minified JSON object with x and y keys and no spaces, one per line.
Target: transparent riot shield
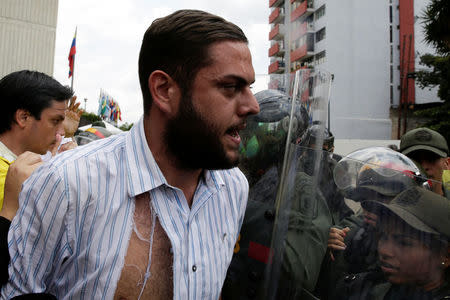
{"x":283,"y":237}
{"x":302,"y":217}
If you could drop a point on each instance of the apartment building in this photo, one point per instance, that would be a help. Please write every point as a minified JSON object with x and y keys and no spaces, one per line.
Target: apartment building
{"x":372,"y":48}
{"x":27,"y":35}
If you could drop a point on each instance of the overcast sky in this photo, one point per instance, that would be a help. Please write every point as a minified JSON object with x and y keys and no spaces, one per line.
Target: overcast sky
{"x":109,"y":38}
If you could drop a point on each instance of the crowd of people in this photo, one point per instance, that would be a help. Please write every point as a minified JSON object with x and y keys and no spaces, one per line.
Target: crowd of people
{"x":197,"y":201}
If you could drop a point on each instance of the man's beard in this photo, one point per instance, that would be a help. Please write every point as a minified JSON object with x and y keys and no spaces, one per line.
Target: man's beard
{"x":194,"y":141}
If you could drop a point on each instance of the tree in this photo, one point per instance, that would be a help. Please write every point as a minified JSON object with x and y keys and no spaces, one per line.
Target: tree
{"x":88,"y":118}
{"x":126,"y":126}
{"x":436,"y":21}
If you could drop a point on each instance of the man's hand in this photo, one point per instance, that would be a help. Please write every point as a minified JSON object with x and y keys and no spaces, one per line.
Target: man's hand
{"x":336,"y":239}
{"x":58,"y":148}
{"x":18,"y":172}
{"x":72,"y":119}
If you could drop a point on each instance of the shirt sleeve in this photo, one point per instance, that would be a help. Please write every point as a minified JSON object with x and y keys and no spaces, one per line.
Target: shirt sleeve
{"x":38,"y":239}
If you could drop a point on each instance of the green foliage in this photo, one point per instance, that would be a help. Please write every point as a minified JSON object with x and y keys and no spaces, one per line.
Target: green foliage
{"x":88,"y":118}
{"x":436,"y":21}
{"x":439,"y":118}
{"x":125,"y":126}
{"x":439,"y":74}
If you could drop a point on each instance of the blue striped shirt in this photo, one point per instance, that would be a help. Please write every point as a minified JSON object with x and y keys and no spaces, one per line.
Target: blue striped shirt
{"x":71,"y":233}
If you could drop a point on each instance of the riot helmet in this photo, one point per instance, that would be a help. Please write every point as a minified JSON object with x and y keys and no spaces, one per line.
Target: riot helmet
{"x":376,"y":173}
{"x":263,"y":141}
{"x":315,"y":134}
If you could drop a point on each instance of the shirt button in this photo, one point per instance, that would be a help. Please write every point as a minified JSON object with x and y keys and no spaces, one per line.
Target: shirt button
{"x":194,"y":268}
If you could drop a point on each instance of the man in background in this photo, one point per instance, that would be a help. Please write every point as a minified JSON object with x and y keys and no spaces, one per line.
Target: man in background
{"x":34,"y":107}
{"x":430,"y":149}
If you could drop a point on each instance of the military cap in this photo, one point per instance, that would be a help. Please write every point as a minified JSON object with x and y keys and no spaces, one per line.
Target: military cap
{"x":420,"y":208}
{"x":424,"y":139}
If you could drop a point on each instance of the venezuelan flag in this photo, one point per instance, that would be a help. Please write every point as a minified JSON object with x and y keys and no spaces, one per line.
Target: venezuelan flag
{"x":72,"y":52}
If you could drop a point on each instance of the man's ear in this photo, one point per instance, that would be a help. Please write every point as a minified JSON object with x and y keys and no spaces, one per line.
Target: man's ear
{"x":22,"y":117}
{"x":165,"y":92}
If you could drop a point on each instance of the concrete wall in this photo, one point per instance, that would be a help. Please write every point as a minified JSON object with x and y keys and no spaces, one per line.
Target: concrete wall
{"x":27,"y":35}
{"x":357,"y":43}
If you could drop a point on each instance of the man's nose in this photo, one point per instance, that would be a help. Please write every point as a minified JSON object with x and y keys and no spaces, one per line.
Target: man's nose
{"x":249,"y":105}
{"x":60,"y":130}
{"x":385,"y":248}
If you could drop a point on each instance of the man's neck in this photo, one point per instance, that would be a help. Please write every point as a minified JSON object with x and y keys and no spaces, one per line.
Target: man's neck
{"x":12,"y":142}
{"x":186,"y":180}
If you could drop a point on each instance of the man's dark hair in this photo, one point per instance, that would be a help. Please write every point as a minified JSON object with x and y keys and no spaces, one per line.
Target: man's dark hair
{"x":178,"y":45}
{"x":31,"y":91}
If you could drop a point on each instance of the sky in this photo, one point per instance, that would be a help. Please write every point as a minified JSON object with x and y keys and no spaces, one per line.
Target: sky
{"x":109,"y":37}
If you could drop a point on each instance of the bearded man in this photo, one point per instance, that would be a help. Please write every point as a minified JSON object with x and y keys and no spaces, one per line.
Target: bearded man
{"x":153,"y":213}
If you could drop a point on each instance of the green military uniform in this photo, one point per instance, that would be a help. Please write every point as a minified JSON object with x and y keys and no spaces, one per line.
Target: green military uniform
{"x":305,"y":246}
{"x":373,"y":286}
{"x":425,"y":212}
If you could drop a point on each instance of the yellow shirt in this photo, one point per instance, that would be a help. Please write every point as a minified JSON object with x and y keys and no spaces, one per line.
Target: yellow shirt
{"x":6,"y":158}
{"x":4,"y":166}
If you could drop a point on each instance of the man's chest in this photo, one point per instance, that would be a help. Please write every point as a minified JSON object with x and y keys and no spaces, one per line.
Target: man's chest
{"x":148,"y":268}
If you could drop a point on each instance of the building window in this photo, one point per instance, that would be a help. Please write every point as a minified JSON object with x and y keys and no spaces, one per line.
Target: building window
{"x":320,"y":35}
{"x":320,"y":58}
{"x":308,"y":63}
{"x":390,"y":14}
{"x":390,"y":34}
{"x":320,"y":12}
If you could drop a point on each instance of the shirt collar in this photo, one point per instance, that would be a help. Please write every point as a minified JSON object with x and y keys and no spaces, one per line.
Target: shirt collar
{"x":6,"y":153}
{"x":144,"y":173}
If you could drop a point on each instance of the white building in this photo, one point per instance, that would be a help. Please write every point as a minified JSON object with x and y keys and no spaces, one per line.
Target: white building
{"x":27,"y":35}
{"x":366,"y":45}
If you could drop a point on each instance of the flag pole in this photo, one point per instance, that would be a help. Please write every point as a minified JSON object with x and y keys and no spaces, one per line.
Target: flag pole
{"x":73,"y":69}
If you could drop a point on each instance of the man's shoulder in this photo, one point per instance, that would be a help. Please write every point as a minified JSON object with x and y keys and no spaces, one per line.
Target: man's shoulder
{"x":233,"y":174}
{"x":98,"y":149}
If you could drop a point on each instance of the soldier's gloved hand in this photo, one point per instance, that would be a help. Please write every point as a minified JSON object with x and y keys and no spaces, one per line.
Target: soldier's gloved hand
{"x":18,"y":172}
{"x":336,"y":239}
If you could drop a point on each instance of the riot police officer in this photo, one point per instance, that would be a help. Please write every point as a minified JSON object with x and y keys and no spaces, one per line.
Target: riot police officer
{"x":374,"y":173}
{"x":413,"y":243}
{"x":307,"y":216}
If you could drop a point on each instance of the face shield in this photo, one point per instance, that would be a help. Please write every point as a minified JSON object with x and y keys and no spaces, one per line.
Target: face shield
{"x":376,"y":173}
{"x":286,"y":219}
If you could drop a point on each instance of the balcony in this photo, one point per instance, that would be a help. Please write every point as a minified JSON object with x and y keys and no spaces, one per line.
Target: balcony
{"x":277,"y":49}
{"x":276,"y":67}
{"x":277,"y":32}
{"x":275,"y":3}
{"x":299,"y":31}
{"x":305,"y":9}
{"x":276,"y":16}
{"x":302,"y":52}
